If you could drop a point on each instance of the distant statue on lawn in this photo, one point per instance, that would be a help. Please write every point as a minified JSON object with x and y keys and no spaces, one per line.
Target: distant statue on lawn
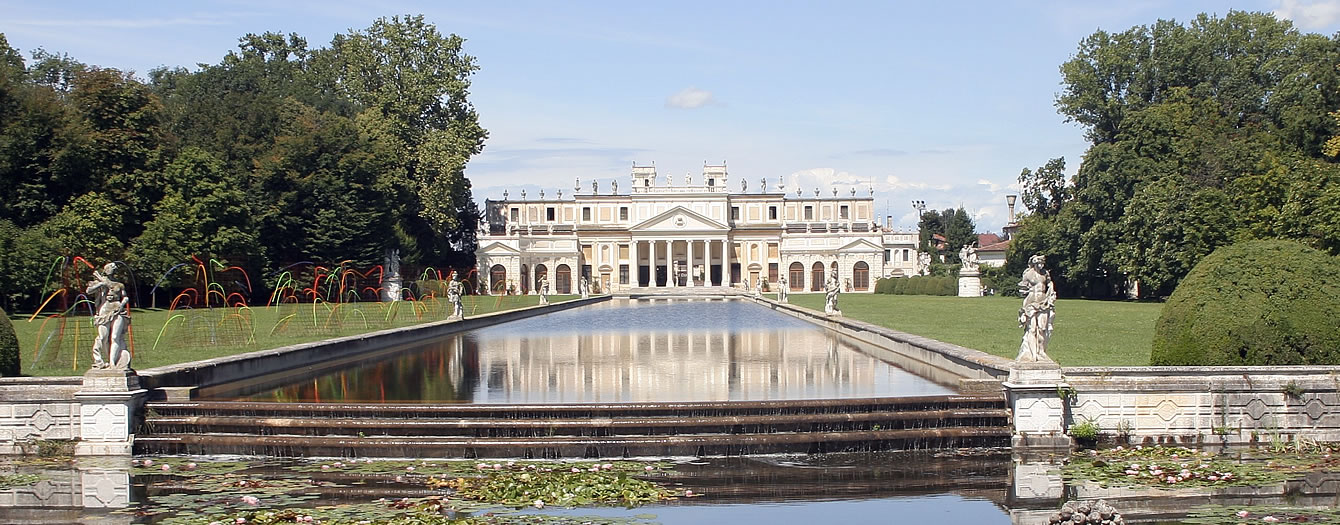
{"x":543,"y":289}
{"x":1038,"y":311}
{"x":846,"y":284}
{"x":781,"y":288}
{"x":455,"y":289}
{"x":923,"y":263}
{"x":968,"y":256}
{"x":584,"y":287}
{"x":758,"y":288}
{"x":112,"y":319}
{"x":831,"y":290}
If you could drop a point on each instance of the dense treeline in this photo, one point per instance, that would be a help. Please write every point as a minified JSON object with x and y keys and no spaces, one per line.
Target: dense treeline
{"x":1201,"y":135}
{"x":277,"y":154}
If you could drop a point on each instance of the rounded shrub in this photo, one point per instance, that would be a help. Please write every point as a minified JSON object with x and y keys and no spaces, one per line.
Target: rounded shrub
{"x":1253,"y":303}
{"x":9,"y":347}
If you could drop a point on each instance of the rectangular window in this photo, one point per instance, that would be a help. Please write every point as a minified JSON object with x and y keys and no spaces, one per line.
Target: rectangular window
{"x":809,"y":213}
{"x":623,"y":214}
{"x":516,"y":214}
{"x":586,"y":214}
{"x":623,"y":274}
{"x":711,"y":183}
{"x":772,"y":213}
{"x":734,"y":213}
{"x":887,"y":254}
{"x":772,"y":272}
{"x":842,"y":212}
{"x":905,"y":254}
{"x":549,"y":214}
{"x":623,"y":252}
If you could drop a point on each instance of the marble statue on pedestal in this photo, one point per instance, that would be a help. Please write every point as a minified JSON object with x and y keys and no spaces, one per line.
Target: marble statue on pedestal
{"x":1038,"y":311}
{"x":831,"y":290}
{"x":455,"y":289}
{"x":584,"y":287}
{"x":758,"y":288}
{"x":543,"y":289}
{"x":781,"y":289}
{"x":846,"y":284}
{"x":968,"y":256}
{"x":112,"y":319}
{"x":923,"y":263}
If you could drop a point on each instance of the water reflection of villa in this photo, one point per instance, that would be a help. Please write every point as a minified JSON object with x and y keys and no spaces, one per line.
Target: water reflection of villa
{"x":678,"y":366}
{"x":693,"y":234}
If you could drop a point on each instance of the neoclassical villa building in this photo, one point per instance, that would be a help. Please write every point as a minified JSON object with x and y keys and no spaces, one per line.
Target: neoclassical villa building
{"x":699,"y":233}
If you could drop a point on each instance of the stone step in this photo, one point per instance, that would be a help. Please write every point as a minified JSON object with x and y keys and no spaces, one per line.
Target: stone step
{"x":574,"y":446}
{"x":657,"y":425}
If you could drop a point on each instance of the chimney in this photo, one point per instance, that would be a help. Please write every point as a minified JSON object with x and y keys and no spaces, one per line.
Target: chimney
{"x":1009,"y":199}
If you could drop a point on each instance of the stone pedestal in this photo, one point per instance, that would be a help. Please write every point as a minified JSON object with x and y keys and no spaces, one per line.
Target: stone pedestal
{"x":969,"y":283}
{"x":1034,"y":392}
{"x":108,"y":404}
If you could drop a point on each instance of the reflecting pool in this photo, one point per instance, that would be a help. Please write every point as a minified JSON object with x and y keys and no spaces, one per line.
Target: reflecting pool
{"x":614,"y":351}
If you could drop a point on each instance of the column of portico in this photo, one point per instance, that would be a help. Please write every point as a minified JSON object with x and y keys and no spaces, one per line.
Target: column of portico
{"x":725,"y":262}
{"x":690,"y":251}
{"x":636,"y":262}
{"x":669,"y":281}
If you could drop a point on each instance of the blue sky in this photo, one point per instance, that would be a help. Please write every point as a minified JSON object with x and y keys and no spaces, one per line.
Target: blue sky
{"x":937,"y":101}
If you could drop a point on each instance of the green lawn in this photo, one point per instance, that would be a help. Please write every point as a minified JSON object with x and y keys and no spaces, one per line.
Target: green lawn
{"x":63,"y":346}
{"x":1087,"y":333}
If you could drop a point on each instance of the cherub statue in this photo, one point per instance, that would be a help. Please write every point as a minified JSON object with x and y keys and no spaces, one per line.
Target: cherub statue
{"x":1038,"y":311}
{"x":456,"y":289}
{"x":831,"y":290}
{"x":112,"y":319}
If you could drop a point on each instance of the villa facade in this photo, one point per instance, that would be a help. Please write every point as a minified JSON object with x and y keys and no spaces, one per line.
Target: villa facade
{"x":698,"y":233}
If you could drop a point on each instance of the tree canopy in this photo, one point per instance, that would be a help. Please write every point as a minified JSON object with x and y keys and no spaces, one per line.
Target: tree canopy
{"x":278,"y":153}
{"x":1201,"y":134}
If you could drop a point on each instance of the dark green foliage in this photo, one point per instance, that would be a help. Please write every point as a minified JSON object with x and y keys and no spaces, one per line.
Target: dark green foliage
{"x":1254,"y":303}
{"x":999,"y":280}
{"x":955,"y":225}
{"x":918,"y":285}
{"x":277,"y":154}
{"x":9,"y":347}
{"x":1201,"y":134}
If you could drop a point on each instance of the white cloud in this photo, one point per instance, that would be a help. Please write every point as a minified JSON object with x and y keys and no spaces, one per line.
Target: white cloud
{"x":996,"y":188}
{"x":1310,"y":15}
{"x":690,"y":98}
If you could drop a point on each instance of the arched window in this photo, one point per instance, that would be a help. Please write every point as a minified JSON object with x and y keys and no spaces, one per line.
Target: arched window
{"x":797,"y":276}
{"x":817,"y":277}
{"x":525,"y":279}
{"x":860,"y":276}
{"x":563,"y":280}
{"x":540,"y":273}
{"x":498,"y":279}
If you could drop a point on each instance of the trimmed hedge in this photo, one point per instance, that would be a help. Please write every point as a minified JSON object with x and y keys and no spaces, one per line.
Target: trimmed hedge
{"x":1254,"y":303}
{"x":918,"y":285}
{"x":9,"y":348}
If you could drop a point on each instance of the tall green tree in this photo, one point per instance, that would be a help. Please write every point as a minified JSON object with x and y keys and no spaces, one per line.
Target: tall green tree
{"x":415,"y":83}
{"x":1218,"y":111}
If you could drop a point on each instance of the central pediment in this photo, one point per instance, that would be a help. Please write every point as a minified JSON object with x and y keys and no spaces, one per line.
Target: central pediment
{"x":679,"y":219}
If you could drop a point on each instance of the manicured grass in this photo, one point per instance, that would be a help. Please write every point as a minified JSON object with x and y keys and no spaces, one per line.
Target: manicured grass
{"x":63,"y":346}
{"x":1087,"y":333}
